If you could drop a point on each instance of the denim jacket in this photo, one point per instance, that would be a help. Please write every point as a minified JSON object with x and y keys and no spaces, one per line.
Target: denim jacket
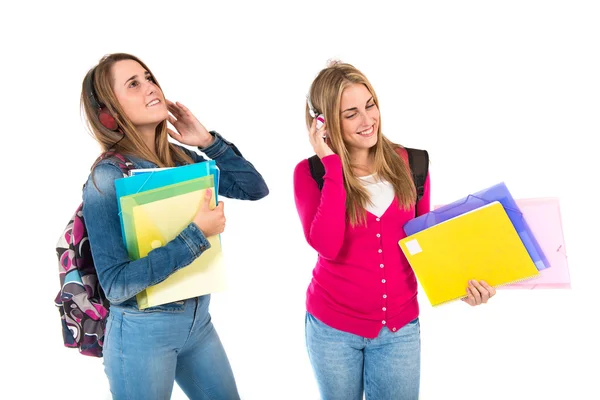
{"x":122,"y":278}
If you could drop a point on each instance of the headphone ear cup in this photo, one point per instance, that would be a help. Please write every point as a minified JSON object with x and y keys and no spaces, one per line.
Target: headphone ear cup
{"x":320,"y":121}
{"x":107,"y":120}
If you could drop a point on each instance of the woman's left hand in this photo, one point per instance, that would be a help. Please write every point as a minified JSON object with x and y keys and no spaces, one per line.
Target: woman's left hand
{"x":478,"y":293}
{"x":188,"y":129}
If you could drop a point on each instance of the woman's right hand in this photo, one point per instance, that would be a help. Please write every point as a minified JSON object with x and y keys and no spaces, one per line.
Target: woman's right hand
{"x":210,"y":222}
{"x":317,"y":139}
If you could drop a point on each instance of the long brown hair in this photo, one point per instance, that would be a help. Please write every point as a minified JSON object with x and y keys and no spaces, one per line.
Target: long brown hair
{"x":325,"y":95}
{"x":126,"y":140}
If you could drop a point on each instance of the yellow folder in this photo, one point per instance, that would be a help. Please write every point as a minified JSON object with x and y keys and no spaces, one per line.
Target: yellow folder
{"x":481,"y":244}
{"x":158,"y":222}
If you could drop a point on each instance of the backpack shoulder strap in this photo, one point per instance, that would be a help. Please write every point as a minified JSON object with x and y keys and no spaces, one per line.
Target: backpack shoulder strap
{"x":317,"y":170}
{"x":121,"y":161}
{"x":419,"y":166}
{"x":417,"y":159}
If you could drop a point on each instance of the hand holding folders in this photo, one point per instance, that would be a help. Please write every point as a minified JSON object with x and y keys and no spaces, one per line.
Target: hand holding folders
{"x":480,"y":244}
{"x":478,"y":293}
{"x":210,"y":221}
{"x":155,"y":206}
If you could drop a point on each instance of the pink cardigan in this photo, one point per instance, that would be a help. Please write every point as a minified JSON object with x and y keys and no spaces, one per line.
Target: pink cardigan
{"x":362,"y":281}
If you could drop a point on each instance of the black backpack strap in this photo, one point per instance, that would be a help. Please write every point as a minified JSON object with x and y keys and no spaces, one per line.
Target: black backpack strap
{"x":419,"y":166}
{"x":317,"y":170}
{"x":417,"y":159}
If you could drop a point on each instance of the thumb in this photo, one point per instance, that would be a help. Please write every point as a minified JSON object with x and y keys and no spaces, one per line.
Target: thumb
{"x":207,"y":197}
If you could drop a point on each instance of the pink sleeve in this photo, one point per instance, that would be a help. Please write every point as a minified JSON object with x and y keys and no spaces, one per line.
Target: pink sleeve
{"x":424,"y":205}
{"x":322,"y":212}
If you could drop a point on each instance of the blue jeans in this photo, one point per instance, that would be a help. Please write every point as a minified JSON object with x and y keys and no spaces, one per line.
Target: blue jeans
{"x":146,"y":352}
{"x":347,"y":365}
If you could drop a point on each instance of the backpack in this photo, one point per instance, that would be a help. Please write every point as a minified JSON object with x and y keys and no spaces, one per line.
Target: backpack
{"x":81,"y":302}
{"x":418,"y":160}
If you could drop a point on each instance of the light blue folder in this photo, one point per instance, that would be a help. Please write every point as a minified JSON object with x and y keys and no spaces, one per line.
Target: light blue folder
{"x":497,"y":192}
{"x":150,"y":179}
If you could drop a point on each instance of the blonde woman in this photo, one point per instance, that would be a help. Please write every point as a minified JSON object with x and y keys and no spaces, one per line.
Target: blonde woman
{"x":362,"y":320}
{"x":146,"y":351}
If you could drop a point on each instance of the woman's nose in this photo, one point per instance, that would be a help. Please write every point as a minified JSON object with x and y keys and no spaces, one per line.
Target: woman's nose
{"x":151,"y":88}
{"x":366,"y":119}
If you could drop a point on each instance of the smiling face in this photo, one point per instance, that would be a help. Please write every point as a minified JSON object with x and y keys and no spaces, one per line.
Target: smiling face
{"x":359,"y":118}
{"x":139,"y":96}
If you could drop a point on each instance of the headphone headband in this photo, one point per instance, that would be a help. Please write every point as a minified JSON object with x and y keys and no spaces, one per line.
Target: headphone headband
{"x":89,"y":89}
{"x":311,"y":109}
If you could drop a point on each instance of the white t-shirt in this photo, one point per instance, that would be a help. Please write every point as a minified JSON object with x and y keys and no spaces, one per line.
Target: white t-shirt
{"x":382,"y":194}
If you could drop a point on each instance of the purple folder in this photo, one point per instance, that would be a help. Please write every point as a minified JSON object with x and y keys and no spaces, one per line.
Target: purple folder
{"x":497,"y":192}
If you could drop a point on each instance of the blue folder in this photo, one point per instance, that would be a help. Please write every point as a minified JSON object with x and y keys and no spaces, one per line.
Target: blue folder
{"x":498,"y":192}
{"x":143,"y":181}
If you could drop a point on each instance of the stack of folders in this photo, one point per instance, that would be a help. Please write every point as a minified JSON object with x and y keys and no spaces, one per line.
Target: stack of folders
{"x":155,"y":205}
{"x":487,"y":236}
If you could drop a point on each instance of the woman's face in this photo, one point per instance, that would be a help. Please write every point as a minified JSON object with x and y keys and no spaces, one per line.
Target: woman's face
{"x":359,"y":117}
{"x":141,"y":99}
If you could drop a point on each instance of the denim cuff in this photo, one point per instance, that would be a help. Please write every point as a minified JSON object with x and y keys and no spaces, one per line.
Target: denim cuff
{"x":217,"y":147}
{"x":195,"y":240}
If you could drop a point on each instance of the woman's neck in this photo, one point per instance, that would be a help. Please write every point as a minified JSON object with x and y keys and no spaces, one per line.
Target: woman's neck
{"x":148,"y":134}
{"x":362,"y":162}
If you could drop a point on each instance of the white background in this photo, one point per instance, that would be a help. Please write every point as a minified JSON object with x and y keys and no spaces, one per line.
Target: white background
{"x":496,"y":91}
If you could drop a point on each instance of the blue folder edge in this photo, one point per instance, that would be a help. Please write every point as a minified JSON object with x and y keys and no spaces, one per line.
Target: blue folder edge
{"x":140,"y":183}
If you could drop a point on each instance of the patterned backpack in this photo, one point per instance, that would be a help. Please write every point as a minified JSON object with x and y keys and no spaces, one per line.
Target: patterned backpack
{"x":81,"y":301}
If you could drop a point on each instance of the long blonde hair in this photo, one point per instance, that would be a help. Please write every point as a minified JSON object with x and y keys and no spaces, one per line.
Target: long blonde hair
{"x":127,"y":139}
{"x":325,"y":95}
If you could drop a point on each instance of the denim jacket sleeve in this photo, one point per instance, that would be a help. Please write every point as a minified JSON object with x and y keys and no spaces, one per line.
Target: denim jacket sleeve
{"x":120,"y":277}
{"x":239,"y":179}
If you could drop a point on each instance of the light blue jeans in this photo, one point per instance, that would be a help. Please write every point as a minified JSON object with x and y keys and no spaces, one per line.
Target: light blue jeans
{"x":146,"y":352}
{"x":347,"y":366}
